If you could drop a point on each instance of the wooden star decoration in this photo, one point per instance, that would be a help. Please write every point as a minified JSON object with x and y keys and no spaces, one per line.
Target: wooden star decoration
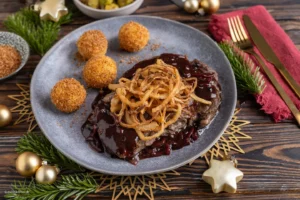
{"x":51,"y":9}
{"x":222,"y":176}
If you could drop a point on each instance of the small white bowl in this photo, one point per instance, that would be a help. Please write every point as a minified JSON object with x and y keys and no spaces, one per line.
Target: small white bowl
{"x":99,"y":14}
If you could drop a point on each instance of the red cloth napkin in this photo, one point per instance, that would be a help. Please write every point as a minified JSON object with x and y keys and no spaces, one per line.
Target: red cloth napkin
{"x":282,"y":45}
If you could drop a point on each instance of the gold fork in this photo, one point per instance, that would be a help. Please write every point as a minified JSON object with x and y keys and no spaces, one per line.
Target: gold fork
{"x":240,"y":38}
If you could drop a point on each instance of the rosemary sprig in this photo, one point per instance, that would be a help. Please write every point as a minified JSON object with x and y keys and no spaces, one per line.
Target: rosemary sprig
{"x":39,"y":144}
{"x":39,"y":34}
{"x":247,"y":75}
{"x":69,"y":185}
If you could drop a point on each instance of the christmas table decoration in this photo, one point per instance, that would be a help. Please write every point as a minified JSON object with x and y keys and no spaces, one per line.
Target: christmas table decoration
{"x":40,"y":34}
{"x":5,"y":116}
{"x":39,"y":144}
{"x":201,"y":6}
{"x":229,"y":141}
{"x":247,"y":74}
{"x":82,"y":182}
{"x":23,"y":107}
{"x":223,"y":176}
{"x":46,"y":174}
{"x":28,"y":163}
{"x":281,"y":44}
{"x":51,"y":9}
{"x":209,"y":6}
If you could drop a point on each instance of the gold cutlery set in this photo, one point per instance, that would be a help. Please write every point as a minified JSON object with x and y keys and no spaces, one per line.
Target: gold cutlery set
{"x":240,"y":38}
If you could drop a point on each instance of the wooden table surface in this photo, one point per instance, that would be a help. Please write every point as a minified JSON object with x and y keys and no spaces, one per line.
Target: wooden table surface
{"x":271,"y":164}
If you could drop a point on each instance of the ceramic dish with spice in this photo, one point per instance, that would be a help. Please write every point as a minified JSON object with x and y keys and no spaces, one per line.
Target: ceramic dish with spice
{"x":99,"y":9}
{"x":14,"y":53}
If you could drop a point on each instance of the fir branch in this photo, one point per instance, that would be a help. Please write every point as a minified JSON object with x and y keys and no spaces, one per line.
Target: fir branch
{"x":39,"y":34}
{"x":66,"y":18}
{"x":247,"y":75}
{"x":39,"y":144}
{"x":69,"y":185}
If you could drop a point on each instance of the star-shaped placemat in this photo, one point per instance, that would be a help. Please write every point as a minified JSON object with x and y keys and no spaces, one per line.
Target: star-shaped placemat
{"x":229,"y":141}
{"x":134,"y":186}
{"x":51,"y":9}
{"x":23,"y":107}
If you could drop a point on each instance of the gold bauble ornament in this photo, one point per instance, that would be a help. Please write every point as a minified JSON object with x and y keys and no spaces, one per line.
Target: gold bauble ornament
{"x":5,"y":116}
{"x":46,"y":174}
{"x":222,"y":176}
{"x":209,"y":6}
{"x":191,"y":6}
{"x":51,"y":9}
{"x":27,"y":163}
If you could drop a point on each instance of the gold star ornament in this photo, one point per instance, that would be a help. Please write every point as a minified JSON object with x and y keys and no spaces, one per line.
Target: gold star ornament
{"x":222,"y":176}
{"x":51,"y":9}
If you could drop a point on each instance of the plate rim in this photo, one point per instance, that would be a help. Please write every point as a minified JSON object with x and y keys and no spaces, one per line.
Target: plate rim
{"x":161,"y":170}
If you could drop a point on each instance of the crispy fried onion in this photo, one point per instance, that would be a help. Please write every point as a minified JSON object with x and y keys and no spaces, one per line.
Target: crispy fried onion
{"x":153,"y":99}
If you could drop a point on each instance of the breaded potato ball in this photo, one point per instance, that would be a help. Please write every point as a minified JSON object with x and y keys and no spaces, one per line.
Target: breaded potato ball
{"x":133,"y":36}
{"x":99,"y":71}
{"x":92,"y":43}
{"x":68,"y":95}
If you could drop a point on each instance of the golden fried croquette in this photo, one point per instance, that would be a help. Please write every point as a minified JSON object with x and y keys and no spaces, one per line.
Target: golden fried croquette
{"x":99,"y":71}
{"x":68,"y":95}
{"x":133,"y":36}
{"x":92,"y":43}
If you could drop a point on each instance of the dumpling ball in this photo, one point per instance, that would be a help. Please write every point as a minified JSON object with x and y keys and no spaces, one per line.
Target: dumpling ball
{"x":100,"y":71}
{"x":92,"y":43}
{"x":68,"y":95}
{"x":133,"y":36}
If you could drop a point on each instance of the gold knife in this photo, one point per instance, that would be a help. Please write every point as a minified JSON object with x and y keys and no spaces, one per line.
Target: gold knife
{"x":273,"y":80}
{"x":269,"y":54}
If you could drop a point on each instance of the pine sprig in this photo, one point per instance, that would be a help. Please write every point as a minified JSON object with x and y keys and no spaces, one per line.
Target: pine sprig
{"x":39,"y":144}
{"x":247,"y":75}
{"x":39,"y":34}
{"x":69,"y":185}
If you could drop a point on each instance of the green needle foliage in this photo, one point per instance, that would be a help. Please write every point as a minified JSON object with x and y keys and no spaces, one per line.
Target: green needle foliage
{"x":39,"y":144}
{"x":247,"y":75}
{"x":39,"y":34}
{"x":69,"y":185}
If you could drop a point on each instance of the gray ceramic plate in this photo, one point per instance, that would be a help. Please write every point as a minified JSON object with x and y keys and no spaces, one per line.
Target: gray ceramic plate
{"x":63,"y":130}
